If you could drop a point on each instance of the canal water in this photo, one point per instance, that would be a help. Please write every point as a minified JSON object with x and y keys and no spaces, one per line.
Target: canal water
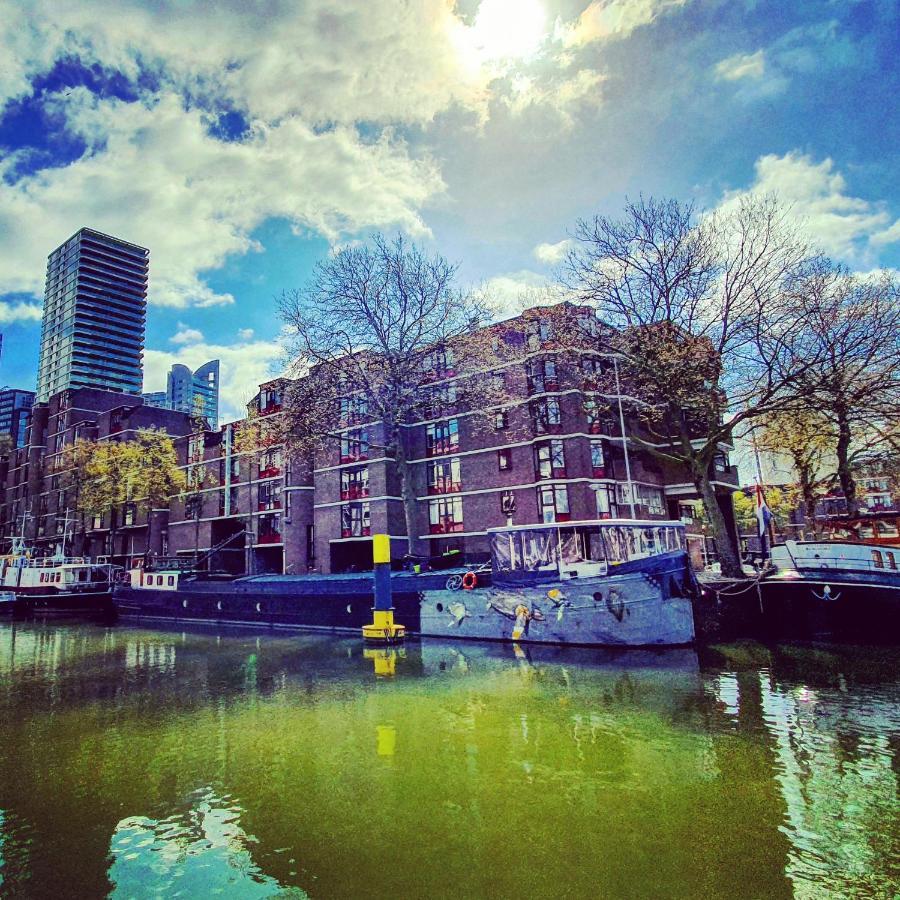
{"x":141,"y":763}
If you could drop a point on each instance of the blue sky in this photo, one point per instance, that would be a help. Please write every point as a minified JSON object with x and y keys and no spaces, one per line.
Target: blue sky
{"x":242,"y":142}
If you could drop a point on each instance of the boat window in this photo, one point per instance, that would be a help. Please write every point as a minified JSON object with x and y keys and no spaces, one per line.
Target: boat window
{"x":171,"y":580}
{"x":876,"y":558}
{"x":892,"y":563}
{"x":539,"y":550}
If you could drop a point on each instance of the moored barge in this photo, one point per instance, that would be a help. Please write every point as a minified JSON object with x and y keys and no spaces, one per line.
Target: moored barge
{"x":595,"y":583}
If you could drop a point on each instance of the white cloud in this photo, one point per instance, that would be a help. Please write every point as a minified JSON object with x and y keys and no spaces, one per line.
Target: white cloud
{"x":742,"y":65}
{"x":567,"y":96}
{"x":245,"y":334}
{"x":551,"y":254}
{"x":243,"y":366}
{"x":510,"y":293}
{"x":847,"y":227}
{"x":19,"y":312}
{"x":186,"y":335}
{"x":611,"y":19}
{"x":154,"y":176}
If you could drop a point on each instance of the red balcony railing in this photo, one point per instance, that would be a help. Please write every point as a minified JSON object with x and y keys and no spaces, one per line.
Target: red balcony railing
{"x":266,"y":505}
{"x":446,"y":527}
{"x":445,"y":487}
{"x":598,"y":471}
{"x":269,"y":471}
{"x":272,"y":537}
{"x":271,"y":408}
{"x":356,"y":532}
{"x":355,"y":492}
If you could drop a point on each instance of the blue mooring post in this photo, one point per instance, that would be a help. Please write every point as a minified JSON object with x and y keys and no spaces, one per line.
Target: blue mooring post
{"x":383,"y":627}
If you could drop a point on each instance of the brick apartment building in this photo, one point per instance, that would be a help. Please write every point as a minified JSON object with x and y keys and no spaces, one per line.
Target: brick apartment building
{"x":35,"y":498}
{"x":552,"y":453}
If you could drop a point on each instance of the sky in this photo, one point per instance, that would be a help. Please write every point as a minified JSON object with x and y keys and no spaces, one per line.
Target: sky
{"x":244,"y":141}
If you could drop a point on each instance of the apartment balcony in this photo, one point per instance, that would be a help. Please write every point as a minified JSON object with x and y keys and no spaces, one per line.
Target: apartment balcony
{"x":268,"y":505}
{"x":271,"y":537}
{"x":270,"y":409}
{"x":365,"y":531}
{"x":269,"y":472}
{"x":362,"y":456}
{"x":728,"y":474}
{"x":355,"y":492}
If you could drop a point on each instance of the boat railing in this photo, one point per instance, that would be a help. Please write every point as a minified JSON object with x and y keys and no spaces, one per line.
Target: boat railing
{"x":49,"y":562}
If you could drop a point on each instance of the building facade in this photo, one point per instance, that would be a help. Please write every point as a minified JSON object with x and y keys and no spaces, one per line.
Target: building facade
{"x":94,"y":314}
{"x":37,"y":498}
{"x":15,"y":414}
{"x":553,"y":453}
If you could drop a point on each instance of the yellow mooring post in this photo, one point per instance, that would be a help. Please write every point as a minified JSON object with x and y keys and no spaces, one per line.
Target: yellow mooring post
{"x":383,"y":628}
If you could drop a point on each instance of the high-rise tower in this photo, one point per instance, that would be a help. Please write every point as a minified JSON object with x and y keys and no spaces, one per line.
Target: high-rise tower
{"x":94,"y":312}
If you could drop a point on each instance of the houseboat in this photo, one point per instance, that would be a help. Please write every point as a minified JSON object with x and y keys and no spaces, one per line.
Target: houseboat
{"x":595,"y":583}
{"x":838,"y":589}
{"x":64,"y":584}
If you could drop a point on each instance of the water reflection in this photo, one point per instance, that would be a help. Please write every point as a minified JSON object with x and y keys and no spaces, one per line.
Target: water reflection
{"x":148,"y":763}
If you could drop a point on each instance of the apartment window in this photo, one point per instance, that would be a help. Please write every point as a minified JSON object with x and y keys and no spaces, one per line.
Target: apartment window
{"x":545,"y":415}
{"x":270,"y":399}
{"x":507,"y":503}
{"x":501,"y":419}
{"x":598,"y":460}
{"x":268,"y":529}
{"x":442,"y":437}
{"x":355,"y":520}
{"x":550,"y":460}
{"x":443,"y":476}
{"x":270,"y":462}
{"x":438,"y":363}
{"x":269,"y":496}
{"x":352,"y":410}
{"x":542,"y":376}
{"x":354,"y":446}
{"x":96,"y":522}
{"x":193,"y":506}
{"x":129,"y":514}
{"x":553,"y":503}
{"x":445,"y":515}
{"x":355,"y":483}
{"x":504,"y":459}
{"x":592,"y":368}
{"x":593,"y":414}
{"x":607,"y":508}
{"x":195,"y":448}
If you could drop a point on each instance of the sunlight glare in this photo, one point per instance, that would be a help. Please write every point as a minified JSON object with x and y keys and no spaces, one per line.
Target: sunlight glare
{"x":508,"y":29}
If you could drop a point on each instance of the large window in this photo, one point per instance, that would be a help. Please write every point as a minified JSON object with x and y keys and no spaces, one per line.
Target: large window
{"x":269,"y":496}
{"x":542,"y":376}
{"x":269,"y":529}
{"x":549,"y":460}
{"x":355,"y":520}
{"x":442,"y":437}
{"x":353,"y":410}
{"x":270,"y":462}
{"x":355,"y":483}
{"x":445,"y":515}
{"x":443,"y":476}
{"x":545,"y":415}
{"x":553,"y":503}
{"x":440,"y":401}
{"x":438,"y":363}
{"x":598,"y":460}
{"x":354,"y":446}
{"x":270,"y":400}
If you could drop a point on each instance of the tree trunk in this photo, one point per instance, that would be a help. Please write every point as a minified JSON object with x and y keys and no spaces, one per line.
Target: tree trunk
{"x":728,"y":552}
{"x":407,"y":493}
{"x":845,"y":474}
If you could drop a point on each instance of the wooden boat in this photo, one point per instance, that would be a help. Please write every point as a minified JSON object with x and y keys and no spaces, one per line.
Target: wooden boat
{"x":596,"y":583}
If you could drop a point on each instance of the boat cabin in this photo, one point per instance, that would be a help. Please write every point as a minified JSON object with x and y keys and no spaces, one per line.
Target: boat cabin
{"x":561,"y":550}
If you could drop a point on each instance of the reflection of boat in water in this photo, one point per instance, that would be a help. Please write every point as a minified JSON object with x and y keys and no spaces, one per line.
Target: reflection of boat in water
{"x":835,"y":587}
{"x":599,"y":583}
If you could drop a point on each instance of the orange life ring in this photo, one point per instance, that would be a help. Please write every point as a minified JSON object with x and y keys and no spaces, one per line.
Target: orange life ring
{"x":470,"y":580}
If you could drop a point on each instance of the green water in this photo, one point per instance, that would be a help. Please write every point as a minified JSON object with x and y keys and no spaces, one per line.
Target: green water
{"x":138,"y":763}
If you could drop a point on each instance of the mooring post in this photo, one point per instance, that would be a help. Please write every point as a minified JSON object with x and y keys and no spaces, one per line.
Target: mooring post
{"x":383,"y":627}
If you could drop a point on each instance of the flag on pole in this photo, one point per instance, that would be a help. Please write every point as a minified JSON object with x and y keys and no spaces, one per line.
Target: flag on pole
{"x":763,"y":513}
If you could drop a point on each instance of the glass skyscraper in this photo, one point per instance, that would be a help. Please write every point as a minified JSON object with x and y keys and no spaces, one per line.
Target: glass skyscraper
{"x":196,"y":393}
{"x":15,"y":414}
{"x":95,"y":304}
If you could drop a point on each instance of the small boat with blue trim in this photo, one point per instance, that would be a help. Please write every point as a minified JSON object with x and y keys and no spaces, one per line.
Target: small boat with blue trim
{"x":614,"y":582}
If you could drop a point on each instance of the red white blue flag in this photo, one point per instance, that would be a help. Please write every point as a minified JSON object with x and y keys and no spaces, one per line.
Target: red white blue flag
{"x":763,"y":513}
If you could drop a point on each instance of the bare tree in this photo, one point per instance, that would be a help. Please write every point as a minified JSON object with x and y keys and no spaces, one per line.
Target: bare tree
{"x":853,"y":333}
{"x":702,"y":323}
{"x":382,"y":334}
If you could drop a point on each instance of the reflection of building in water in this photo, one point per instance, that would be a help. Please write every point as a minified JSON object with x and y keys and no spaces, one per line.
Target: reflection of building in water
{"x":837,"y":776}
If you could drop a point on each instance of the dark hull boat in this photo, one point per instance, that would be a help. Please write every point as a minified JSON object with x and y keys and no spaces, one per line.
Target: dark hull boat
{"x":614,"y":583}
{"x":833,"y":589}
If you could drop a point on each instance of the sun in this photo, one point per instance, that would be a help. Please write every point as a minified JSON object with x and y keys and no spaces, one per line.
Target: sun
{"x":508,"y":29}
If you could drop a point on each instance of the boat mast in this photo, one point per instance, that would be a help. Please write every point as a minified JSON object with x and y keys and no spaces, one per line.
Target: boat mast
{"x":624,"y":440}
